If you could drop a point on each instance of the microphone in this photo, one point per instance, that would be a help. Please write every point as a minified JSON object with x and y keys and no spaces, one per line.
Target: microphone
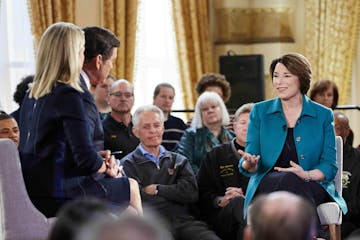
{"x":284,"y":127}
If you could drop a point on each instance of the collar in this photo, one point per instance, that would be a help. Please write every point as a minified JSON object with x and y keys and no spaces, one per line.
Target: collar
{"x":307,"y":108}
{"x":234,"y":149}
{"x":86,"y":78}
{"x":151,"y":156}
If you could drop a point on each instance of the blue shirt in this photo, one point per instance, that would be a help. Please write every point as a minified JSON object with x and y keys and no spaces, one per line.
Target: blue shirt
{"x":151,"y":156}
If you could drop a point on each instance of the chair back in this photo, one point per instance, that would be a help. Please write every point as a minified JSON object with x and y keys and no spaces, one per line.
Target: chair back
{"x":339,"y":160}
{"x":20,"y":219}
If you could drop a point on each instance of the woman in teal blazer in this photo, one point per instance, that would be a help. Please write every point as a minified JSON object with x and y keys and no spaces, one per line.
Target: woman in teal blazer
{"x":291,"y":140}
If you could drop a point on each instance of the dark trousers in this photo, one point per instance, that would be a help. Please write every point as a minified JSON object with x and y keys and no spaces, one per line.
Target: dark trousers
{"x":187,"y":228}
{"x":284,"y":181}
{"x":228,"y":222}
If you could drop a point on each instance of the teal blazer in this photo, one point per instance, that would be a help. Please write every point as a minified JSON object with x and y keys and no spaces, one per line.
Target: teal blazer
{"x":314,"y":137}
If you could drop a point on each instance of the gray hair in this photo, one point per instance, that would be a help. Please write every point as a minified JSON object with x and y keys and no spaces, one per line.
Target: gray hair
{"x":245,"y":108}
{"x":206,"y":97}
{"x":118,"y":82}
{"x":147,"y":108}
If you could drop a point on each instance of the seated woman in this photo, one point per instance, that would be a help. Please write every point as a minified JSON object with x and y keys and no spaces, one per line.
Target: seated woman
{"x":207,"y":129}
{"x":291,"y":140}
{"x":58,"y":158}
{"x":9,"y":127}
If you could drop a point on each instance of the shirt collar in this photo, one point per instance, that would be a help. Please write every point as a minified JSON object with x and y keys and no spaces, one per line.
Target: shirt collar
{"x":151,"y":156}
{"x":86,"y":78}
{"x":307,"y":108}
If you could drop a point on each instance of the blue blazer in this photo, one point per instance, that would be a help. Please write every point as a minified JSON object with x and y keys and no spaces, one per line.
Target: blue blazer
{"x":314,"y":137}
{"x":56,"y":148}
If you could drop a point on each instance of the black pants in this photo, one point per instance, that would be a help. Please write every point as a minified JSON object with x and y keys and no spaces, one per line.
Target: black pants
{"x":187,"y":228}
{"x":228,"y":222}
{"x":284,"y":181}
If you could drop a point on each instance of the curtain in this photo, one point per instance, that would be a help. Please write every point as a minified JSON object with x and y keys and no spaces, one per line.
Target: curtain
{"x":332,"y":29}
{"x":43,"y":13}
{"x":191,"y":19}
{"x":120,"y":17}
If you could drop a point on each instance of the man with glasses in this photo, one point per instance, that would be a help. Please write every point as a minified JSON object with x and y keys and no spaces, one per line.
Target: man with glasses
{"x":119,"y":137}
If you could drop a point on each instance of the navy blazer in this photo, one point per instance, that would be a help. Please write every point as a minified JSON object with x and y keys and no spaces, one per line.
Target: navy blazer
{"x":314,"y":137}
{"x":93,"y":115}
{"x":56,"y":149}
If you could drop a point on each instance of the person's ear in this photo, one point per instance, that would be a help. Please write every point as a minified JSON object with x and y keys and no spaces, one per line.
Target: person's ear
{"x":136,"y":132}
{"x":98,"y":61}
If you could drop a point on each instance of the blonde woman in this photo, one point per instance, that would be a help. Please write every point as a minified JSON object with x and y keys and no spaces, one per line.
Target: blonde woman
{"x":58,"y":157}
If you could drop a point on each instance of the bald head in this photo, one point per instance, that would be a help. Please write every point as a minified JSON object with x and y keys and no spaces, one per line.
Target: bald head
{"x":342,"y":127}
{"x":121,"y":98}
{"x":281,"y":216}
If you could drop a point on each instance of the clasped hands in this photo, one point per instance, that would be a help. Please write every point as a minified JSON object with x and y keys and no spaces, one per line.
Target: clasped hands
{"x":110,"y":166}
{"x":230,"y":193}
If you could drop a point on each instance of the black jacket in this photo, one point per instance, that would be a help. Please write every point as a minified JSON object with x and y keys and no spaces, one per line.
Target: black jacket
{"x":351,"y":183}
{"x":218,"y":171}
{"x":176,"y":181}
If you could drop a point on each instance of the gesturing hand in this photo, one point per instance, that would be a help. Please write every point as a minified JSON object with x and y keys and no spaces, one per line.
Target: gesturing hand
{"x":295,"y":168}
{"x":250,"y":161}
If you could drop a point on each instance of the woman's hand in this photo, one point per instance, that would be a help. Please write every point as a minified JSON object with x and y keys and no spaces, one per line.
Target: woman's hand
{"x":295,"y":168}
{"x":250,"y":161}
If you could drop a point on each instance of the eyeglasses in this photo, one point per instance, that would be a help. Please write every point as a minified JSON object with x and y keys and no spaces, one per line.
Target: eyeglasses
{"x":120,"y":94}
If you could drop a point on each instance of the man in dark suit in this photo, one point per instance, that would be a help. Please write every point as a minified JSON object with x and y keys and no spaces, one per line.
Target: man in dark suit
{"x":100,"y":51}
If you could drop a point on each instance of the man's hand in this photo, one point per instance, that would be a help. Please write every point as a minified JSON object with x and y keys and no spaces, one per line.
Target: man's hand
{"x":230,"y":193}
{"x":150,"y":189}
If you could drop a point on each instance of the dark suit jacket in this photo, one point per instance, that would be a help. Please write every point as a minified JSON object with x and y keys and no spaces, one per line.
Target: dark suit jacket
{"x":92,"y":113}
{"x":56,"y":149}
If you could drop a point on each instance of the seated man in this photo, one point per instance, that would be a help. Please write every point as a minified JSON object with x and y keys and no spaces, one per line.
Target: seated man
{"x":221,"y":186}
{"x":174,"y":127}
{"x":350,"y":176}
{"x":118,"y":133}
{"x":167,"y":182}
{"x":280,"y":216}
{"x":9,"y":127}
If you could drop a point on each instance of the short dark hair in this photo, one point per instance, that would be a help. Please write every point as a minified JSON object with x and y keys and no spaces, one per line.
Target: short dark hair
{"x":22,"y":88}
{"x":162,"y":85}
{"x":75,"y":215}
{"x":4,"y":116}
{"x":298,"y":65}
{"x":214,"y":79}
{"x":99,"y":40}
{"x":323,"y":85}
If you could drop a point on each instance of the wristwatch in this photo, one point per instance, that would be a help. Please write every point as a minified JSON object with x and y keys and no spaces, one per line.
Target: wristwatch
{"x":308,"y":177}
{"x":156,"y":190}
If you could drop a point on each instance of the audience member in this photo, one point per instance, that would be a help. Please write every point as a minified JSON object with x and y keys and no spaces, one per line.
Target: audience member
{"x":126,"y":227}
{"x":350,"y":177}
{"x":167,"y":182}
{"x":100,"y":51}
{"x":326,"y":93}
{"x":76,"y":215}
{"x":164,"y":95}
{"x":207,"y":129}
{"x":290,"y":144}
{"x":280,"y":216}
{"x":20,"y":93}
{"x":221,"y":186}
{"x":214,"y":82}
{"x":101,"y":95}
{"x":59,"y":160}
{"x":119,"y":136}
{"x":9,"y":127}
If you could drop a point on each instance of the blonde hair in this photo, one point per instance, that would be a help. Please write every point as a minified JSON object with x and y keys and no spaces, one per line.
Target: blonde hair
{"x":58,"y":58}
